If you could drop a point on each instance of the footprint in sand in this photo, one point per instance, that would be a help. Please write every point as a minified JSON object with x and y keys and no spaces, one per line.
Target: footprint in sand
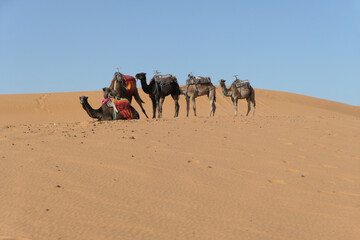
{"x":345,"y":179}
{"x":194,"y":161}
{"x":277,"y":181}
{"x":328,"y":166}
{"x":41,"y":103}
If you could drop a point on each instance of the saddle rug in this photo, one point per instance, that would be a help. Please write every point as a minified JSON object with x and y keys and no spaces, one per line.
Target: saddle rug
{"x":165,"y":79}
{"x":122,"y":105}
{"x":242,"y":83}
{"x":198,"y":80}
{"x":130,"y":84}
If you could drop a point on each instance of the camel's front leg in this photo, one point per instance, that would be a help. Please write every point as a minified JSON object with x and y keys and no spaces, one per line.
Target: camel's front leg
{"x":154,"y":107}
{"x":236,"y":105}
{"x":212,"y":107}
{"x":160,"y":104}
{"x":177,"y":106}
{"x":194,"y":104}
{"x":187,"y":105}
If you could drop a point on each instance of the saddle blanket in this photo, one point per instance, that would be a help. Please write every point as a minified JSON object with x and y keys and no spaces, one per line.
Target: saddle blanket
{"x":198,"y":80}
{"x":121,"y":104}
{"x":130,"y":83}
{"x":242,"y":83}
{"x":164,"y":79}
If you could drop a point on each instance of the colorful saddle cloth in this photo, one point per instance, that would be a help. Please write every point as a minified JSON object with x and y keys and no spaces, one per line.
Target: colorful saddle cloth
{"x":122,"y":105}
{"x":130,"y":83}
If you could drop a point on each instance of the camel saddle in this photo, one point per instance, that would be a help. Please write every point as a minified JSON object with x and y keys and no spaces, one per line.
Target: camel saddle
{"x":242,"y":83}
{"x":121,"y":105}
{"x":165,"y":79}
{"x":198,"y":80}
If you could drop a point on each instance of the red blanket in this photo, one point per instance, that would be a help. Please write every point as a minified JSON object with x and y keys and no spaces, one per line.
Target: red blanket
{"x":130,"y":83}
{"x":123,"y":105}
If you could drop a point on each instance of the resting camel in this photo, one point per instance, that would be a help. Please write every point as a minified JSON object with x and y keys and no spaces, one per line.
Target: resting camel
{"x":237,"y":93}
{"x":158,"y":89}
{"x":192,"y":91}
{"x":105,"y":113}
{"x":125,"y":87}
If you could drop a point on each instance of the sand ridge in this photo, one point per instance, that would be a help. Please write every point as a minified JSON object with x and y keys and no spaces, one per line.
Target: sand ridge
{"x":289,"y":172}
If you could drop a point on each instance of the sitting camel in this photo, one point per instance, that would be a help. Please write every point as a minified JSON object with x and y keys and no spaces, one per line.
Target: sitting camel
{"x":196,"y":87}
{"x":107,"y":112}
{"x":125,"y":87}
{"x":239,"y":91}
{"x":158,"y":88}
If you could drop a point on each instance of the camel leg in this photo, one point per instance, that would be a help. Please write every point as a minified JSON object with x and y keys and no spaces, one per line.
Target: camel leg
{"x":154,"y":107}
{"x":249,"y":107}
{"x":194,"y":105}
{"x":235,"y":105}
{"x":139,"y":101}
{"x":177,"y":106}
{"x":187,"y":105}
{"x":160,"y":106}
{"x":253,"y":107}
{"x":212,"y":107}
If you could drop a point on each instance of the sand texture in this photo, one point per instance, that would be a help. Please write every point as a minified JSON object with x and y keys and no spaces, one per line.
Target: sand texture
{"x":292,"y":171}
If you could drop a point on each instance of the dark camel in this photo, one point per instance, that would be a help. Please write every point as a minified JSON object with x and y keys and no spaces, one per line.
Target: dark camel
{"x":192,"y":91}
{"x":119,"y":86}
{"x":158,"y":91}
{"x":237,"y":93}
{"x":104,"y":113}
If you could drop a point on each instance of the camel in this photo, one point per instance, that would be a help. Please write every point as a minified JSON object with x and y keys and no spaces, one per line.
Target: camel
{"x":237,"y":93}
{"x":158,"y":88}
{"x":125,"y":87}
{"x":105,"y":113}
{"x":193,"y":90}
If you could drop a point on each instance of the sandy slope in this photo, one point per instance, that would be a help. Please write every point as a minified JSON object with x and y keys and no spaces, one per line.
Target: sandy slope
{"x":289,"y":172}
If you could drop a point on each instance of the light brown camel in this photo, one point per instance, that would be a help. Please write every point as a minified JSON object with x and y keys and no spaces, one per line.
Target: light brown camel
{"x":196,"y":87}
{"x":125,"y":87}
{"x":236,"y":93}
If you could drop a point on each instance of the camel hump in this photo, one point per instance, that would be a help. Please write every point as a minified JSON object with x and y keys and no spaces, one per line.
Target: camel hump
{"x":128,"y":78}
{"x":242,"y":83}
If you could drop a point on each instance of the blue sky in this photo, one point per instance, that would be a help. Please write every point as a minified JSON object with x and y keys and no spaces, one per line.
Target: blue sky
{"x":306,"y":47}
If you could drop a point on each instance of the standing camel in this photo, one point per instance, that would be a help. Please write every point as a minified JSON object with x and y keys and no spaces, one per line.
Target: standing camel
{"x":106,"y":113}
{"x":158,"y":88}
{"x":239,"y":90}
{"x":125,"y":87}
{"x":196,"y":87}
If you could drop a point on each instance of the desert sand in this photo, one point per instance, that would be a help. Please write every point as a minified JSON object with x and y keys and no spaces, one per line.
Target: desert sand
{"x":292,"y":171}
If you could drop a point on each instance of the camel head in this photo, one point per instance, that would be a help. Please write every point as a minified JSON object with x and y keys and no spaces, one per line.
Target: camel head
{"x":108,"y":92}
{"x":222,"y":82}
{"x":140,"y":76}
{"x":83,"y":99}
{"x":119,"y":78}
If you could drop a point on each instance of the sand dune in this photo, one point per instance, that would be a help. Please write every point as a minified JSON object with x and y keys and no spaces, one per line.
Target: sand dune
{"x":289,"y":172}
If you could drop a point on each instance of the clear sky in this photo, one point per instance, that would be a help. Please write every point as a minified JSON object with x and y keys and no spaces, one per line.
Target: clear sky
{"x":310,"y":47}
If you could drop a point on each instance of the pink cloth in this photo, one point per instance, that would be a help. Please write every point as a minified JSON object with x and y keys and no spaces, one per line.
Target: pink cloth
{"x":105,"y":100}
